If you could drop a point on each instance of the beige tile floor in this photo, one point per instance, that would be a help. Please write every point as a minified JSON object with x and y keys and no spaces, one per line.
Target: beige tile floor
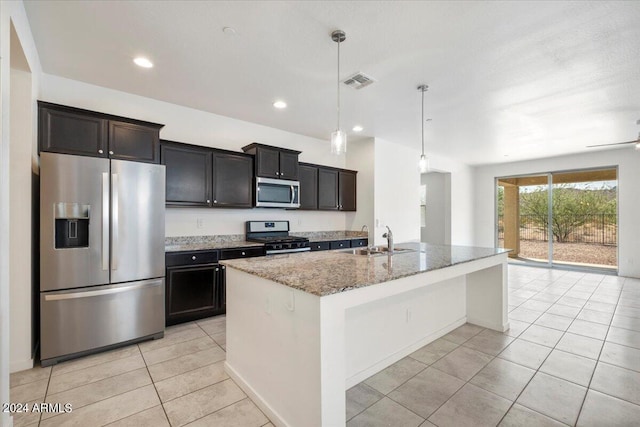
{"x":572,"y":356}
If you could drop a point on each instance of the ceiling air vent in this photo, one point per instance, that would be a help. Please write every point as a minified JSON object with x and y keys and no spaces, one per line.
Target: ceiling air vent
{"x":359,"y":80}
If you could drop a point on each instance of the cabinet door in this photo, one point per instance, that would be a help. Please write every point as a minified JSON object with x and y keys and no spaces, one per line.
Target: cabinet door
{"x":128,"y":141}
{"x":327,"y":189}
{"x":308,"y":187}
{"x":188,"y":174}
{"x":267,"y":162}
{"x":232,"y":180}
{"x":191,"y":293}
{"x":347,"y":193}
{"x":289,"y":166}
{"x":71,"y":133}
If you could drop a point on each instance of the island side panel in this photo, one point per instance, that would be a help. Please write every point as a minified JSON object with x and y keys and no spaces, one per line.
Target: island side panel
{"x":273,"y":348}
{"x":487,"y":296}
{"x":384,"y":331}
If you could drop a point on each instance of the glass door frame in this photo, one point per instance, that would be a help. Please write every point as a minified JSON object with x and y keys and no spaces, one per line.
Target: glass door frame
{"x":549,"y":176}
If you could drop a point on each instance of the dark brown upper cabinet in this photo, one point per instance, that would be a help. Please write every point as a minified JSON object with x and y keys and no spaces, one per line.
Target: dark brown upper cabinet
{"x":327,"y":189}
{"x":200,"y":176}
{"x":69,"y":130}
{"x":189,"y":174}
{"x":232,"y":180}
{"x":347,"y":190}
{"x":274,"y":162}
{"x":308,"y":186}
{"x":336,"y":189}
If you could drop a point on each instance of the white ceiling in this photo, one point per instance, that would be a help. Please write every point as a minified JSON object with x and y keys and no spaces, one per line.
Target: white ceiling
{"x":517,"y":79}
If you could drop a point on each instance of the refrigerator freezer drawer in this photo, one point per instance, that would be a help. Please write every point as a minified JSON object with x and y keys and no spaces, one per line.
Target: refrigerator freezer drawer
{"x":82,"y":320}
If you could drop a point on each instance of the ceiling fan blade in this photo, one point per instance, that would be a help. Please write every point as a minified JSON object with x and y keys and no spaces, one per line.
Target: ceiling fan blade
{"x":635,"y":141}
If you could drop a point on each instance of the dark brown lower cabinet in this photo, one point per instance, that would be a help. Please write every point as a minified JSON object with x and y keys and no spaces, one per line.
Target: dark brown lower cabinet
{"x":194,"y":291}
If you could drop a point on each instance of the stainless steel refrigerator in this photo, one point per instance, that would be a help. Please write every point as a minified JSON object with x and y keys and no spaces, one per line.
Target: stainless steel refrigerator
{"x":101,"y":254}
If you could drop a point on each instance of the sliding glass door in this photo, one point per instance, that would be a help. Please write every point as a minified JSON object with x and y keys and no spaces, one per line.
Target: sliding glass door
{"x":580,"y":228}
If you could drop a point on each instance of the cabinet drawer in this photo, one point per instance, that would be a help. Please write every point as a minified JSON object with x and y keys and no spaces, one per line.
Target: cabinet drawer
{"x":320,"y":246}
{"x":340,"y":244}
{"x":356,"y":243}
{"x":241,"y":253}
{"x":191,"y":258}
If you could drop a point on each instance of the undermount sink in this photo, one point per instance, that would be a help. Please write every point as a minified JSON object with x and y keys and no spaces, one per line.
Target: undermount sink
{"x":378,"y":250}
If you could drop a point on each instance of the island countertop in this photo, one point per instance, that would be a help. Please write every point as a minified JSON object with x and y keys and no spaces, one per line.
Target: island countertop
{"x":329,"y":272}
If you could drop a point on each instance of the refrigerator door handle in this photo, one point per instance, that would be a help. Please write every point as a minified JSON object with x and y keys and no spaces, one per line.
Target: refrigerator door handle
{"x":114,"y":221}
{"x":105,"y":221}
{"x":87,"y":294}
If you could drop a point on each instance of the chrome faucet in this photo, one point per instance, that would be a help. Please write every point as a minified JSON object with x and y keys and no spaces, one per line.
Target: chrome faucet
{"x":389,"y":236}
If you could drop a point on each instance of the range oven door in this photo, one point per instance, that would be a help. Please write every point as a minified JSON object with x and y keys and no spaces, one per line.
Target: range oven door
{"x":277,"y":193}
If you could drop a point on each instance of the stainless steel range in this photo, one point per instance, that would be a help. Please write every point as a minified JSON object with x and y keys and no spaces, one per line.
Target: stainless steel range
{"x":275,"y":236}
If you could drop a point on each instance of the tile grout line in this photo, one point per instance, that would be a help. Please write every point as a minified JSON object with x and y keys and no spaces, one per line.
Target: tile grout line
{"x":46,"y":392}
{"x":154,"y":385}
{"x":545,"y":359}
{"x":604,"y":342}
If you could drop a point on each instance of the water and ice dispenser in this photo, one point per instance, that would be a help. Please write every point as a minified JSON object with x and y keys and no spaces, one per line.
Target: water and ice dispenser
{"x":72,"y":225}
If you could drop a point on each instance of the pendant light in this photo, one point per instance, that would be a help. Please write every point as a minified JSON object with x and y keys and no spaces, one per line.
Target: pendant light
{"x":423,"y":164}
{"x":338,"y":137}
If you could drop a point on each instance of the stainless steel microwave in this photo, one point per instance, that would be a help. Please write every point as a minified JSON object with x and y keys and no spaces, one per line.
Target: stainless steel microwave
{"x":277,"y":193}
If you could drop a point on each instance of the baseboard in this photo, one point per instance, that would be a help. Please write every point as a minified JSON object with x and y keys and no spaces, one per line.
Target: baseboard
{"x":393,"y":358}
{"x":21,"y":365}
{"x":273,"y":416}
{"x":500,"y":327}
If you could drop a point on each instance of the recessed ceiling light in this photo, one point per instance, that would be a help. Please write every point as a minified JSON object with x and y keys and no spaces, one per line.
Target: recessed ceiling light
{"x":280,"y":104}
{"x":357,"y":128}
{"x":143,"y":62}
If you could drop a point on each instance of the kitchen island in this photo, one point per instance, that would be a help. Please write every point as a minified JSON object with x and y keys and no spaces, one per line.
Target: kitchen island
{"x":303,"y":328}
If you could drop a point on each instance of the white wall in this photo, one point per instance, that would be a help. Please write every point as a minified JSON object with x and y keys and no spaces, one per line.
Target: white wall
{"x":16,"y":151}
{"x":397,"y":192}
{"x":437,"y":229}
{"x":360,"y":157}
{"x":628,"y":162}
{"x":192,"y":126}
{"x":462,"y":199}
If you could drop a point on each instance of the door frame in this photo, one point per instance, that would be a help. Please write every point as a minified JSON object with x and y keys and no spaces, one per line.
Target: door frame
{"x":549,"y":174}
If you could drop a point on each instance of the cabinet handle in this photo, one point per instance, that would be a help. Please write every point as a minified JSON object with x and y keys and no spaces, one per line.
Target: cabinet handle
{"x":243,"y":254}
{"x":193,"y":257}
{"x":100,"y":151}
{"x":281,"y":173}
{"x":277,"y":173}
{"x":111,"y":153}
{"x":208,"y":201}
{"x":215,"y":201}
{"x":217,"y":269}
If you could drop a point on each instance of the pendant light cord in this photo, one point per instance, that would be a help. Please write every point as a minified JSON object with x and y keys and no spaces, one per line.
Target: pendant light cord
{"x":423,"y":121}
{"x":338,"y":84}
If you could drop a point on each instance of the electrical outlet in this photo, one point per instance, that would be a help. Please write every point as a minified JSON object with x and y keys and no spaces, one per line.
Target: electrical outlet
{"x":199,"y":222}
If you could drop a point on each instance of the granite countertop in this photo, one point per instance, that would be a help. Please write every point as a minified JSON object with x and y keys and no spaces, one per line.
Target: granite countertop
{"x":326,"y":236}
{"x":329,"y":272}
{"x":201,"y":243}
{"x":203,"y":246}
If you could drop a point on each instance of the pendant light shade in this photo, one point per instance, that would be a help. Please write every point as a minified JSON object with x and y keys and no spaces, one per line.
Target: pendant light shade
{"x":338,"y":137}
{"x":423,"y":164}
{"x":338,"y":142}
